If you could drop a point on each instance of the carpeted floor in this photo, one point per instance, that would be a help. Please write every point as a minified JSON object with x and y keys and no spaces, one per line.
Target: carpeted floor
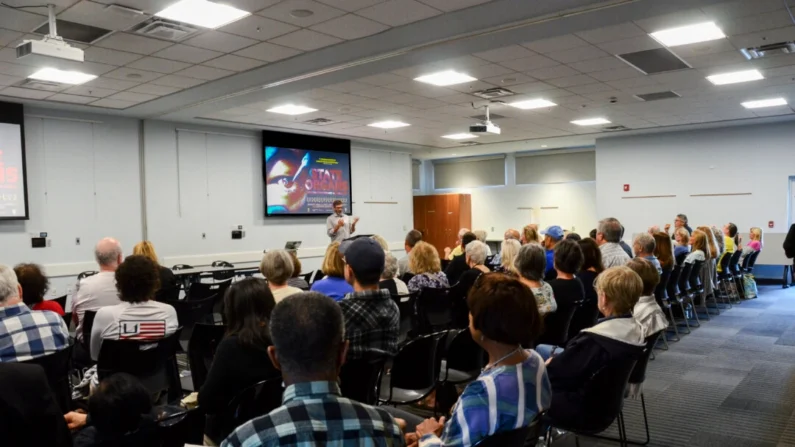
{"x":729,"y":383}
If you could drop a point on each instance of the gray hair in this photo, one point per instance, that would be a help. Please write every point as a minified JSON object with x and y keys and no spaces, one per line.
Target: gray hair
{"x":9,"y":286}
{"x":307,"y":331}
{"x":719,"y":239}
{"x":683,"y":217}
{"x":462,"y":232}
{"x":481,"y":235}
{"x":508,"y":251}
{"x":277,"y":266}
{"x":390,"y":266}
{"x":646,"y":242}
{"x":531,"y":262}
{"x":107,"y":252}
{"x":477,"y":251}
{"x":610,"y":229}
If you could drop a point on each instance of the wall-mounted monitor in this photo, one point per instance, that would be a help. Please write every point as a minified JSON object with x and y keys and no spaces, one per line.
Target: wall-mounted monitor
{"x":13,"y":176}
{"x":305,"y":174}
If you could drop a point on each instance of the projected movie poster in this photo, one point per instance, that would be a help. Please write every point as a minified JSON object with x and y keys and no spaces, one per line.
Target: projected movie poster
{"x":299,"y":181}
{"x":12,"y":192}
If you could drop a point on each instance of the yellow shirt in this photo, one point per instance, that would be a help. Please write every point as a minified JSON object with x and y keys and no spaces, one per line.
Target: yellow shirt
{"x":728,"y":244}
{"x":455,"y":252}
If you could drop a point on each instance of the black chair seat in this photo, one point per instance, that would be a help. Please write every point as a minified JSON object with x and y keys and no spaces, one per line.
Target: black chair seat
{"x":401,"y":395}
{"x":57,"y":367}
{"x":415,"y":370}
{"x":253,"y":402}
{"x":457,"y":376}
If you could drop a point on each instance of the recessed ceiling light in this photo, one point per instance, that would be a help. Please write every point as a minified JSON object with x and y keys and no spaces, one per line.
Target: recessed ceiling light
{"x":389,"y":124}
{"x":683,"y":35}
{"x":301,"y":13}
{"x":453,"y":154}
{"x":765,"y":103}
{"x":532,"y":104}
{"x":62,"y":76}
{"x":460,"y":136}
{"x":543,"y":145}
{"x":735,"y":77}
{"x":202,"y":13}
{"x":591,"y":122}
{"x":444,"y":78}
{"x":291,"y":109}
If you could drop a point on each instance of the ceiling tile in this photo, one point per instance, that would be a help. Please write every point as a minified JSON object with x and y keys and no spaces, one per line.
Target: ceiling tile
{"x":18,"y":20}
{"x":469,"y":87}
{"x":283,"y":12}
{"x":206,"y":73}
{"x":350,"y":27}
{"x":218,"y":41}
{"x":631,"y":45}
{"x":107,"y":83}
{"x":605,"y":63}
{"x":178,"y":81}
{"x":578,"y":54}
{"x":508,"y":53}
{"x":268,"y":52}
{"x":508,"y":80}
{"x":488,"y":71}
{"x":247,"y":5}
{"x":756,"y":23}
{"x":382,"y":79}
{"x":133,"y":74}
{"x":716,"y":60}
{"x":132,"y":97}
{"x":588,"y":89}
{"x":697,"y":50}
{"x":75,"y":99}
{"x":185,"y":53}
{"x":113,"y":103}
{"x":133,"y":43}
{"x":24,"y":92}
{"x":158,"y":65}
{"x":398,"y":12}
{"x":634,"y":83}
{"x":22,"y":71}
{"x":153,"y":89}
{"x":532,"y":87}
{"x":9,"y":80}
{"x":616,"y":74}
{"x":306,"y":40}
{"x":555,"y":44}
{"x":529,"y":63}
{"x":8,"y":36}
{"x":95,"y":14}
{"x":110,"y":57}
{"x":763,"y":37}
{"x":611,"y":33}
{"x":351,"y":5}
{"x":452,"y":5}
{"x":557,"y":71}
{"x":258,"y":27}
{"x":236,"y":63}
{"x":682,"y":17}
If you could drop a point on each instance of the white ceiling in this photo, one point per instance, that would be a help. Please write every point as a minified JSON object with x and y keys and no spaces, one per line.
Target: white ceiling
{"x":234,"y":74}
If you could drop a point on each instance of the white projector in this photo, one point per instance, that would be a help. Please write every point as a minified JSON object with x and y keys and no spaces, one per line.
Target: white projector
{"x":47,"y":52}
{"x":485,"y":127}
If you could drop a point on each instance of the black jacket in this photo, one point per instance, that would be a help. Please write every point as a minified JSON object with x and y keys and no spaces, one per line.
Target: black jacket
{"x":456,"y":268}
{"x":789,"y":243}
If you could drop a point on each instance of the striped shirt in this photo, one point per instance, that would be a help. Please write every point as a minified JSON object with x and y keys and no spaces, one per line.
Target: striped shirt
{"x":27,"y":334}
{"x":613,"y":255}
{"x":501,"y":399}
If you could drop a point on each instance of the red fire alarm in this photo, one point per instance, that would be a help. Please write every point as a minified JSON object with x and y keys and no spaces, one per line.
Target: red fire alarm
{"x":771,"y":224}
{"x":626,"y":188}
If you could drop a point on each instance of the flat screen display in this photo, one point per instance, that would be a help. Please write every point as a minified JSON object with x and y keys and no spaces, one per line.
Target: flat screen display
{"x":13,"y":184}
{"x":304,"y":174}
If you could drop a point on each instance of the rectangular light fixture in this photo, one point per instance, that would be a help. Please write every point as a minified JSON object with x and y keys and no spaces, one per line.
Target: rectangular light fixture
{"x":684,"y":35}
{"x":532,"y":104}
{"x":389,"y":124}
{"x":591,"y":122}
{"x":735,"y":77}
{"x":762,"y":103}
{"x":202,"y":13}
{"x":291,"y":109}
{"x":460,"y":136}
{"x":62,"y":76}
{"x":445,"y":78}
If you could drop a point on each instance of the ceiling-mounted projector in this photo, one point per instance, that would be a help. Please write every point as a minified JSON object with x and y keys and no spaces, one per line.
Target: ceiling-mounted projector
{"x":48,"y":52}
{"x":486,"y":126}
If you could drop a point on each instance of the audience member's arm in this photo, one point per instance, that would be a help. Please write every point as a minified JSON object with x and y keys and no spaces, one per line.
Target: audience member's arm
{"x":569,"y":369}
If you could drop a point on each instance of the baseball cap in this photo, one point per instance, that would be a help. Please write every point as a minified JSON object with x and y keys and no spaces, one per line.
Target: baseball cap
{"x":364,"y":255}
{"x":555,"y":232}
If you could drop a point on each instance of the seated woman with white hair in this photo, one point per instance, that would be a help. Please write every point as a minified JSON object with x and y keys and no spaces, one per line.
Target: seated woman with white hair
{"x":476,"y":253}
{"x":510,"y":248}
{"x":277,"y":267}
{"x":389,"y":279}
{"x":482,"y":235}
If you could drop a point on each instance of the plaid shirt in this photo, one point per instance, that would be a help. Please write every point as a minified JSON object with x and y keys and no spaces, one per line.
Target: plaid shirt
{"x":372,"y":324}
{"x":26,"y":334}
{"x":613,"y":255}
{"x":315,"y":414}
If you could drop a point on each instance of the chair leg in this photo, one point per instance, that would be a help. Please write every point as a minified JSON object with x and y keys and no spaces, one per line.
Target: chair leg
{"x":695,"y":309}
{"x":684,"y":316}
{"x":672,"y":324}
{"x":645,"y":418}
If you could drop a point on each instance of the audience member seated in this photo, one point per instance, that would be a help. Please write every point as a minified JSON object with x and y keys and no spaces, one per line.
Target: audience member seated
{"x":372,"y":319}
{"x":30,"y":414}
{"x":682,"y":238}
{"x":530,"y":264}
{"x":647,"y":312}
{"x":97,"y":291}
{"x":592,"y":266}
{"x":710,"y":270}
{"x":627,"y":248}
{"x":26,"y":334}
{"x":679,"y":222}
{"x":552,"y":235}
{"x":754,"y":245}
{"x":566,"y":287}
{"x":730,"y":241}
{"x":459,"y":263}
{"x":513,"y":388}
{"x":573,"y":237}
{"x":699,"y":247}
{"x":412,"y":238}
{"x":482,"y":237}
{"x":508,"y":251}
{"x":389,"y":279}
{"x":510,"y":234}
{"x":476,"y":253}
{"x":457,"y":250}
{"x":119,"y":406}
{"x":137,"y":280}
{"x":424,"y":262}
{"x":644,"y":246}
{"x":608,"y":236}
{"x":169,"y":287}
{"x":616,"y":337}
{"x":277,"y":267}
{"x":309,"y":349}
{"x":718,"y":233}
{"x":34,"y":288}
{"x":333,"y":285}
{"x":241,"y":359}
{"x":663,"y":250}
{"x":530,"y":234}
{"x":296,"y":280}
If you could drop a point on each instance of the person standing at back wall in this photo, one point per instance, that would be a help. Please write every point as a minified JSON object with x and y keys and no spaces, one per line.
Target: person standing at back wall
{"x":339,"y":226}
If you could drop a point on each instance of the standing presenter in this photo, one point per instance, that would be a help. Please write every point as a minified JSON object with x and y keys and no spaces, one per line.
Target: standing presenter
{"x":339,"y":226}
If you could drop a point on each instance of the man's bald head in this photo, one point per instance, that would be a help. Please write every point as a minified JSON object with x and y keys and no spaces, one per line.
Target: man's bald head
{"x":108,"y":253}
{"x":512,"y":234}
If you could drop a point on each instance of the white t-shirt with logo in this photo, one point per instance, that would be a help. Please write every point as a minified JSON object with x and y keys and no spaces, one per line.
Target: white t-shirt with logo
{"x":148,"y":320}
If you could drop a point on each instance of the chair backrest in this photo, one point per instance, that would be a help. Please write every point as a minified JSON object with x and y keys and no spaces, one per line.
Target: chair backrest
{"x":752,"y":262}
{"x":86,"y":274}
{"x":88,"y":323}
{"x":57,"y":367}
{"x":225,"y":274}
{"x":746,"y":260}
{"x":180,"y":429}
{"x":190,"y":312}
{"x":724,"y":263}
{"x":408,"y":313}
{"x":416,"y":365}
{"x":680,"y":258}
{"x":201,"y":290}
{"x":556,"y":324}
{"x":673,"y":280}
{"x":660,"y":290}
{"x":201,"y":350}
{"x":61,"y":300}
{"x":694,"y":281}
{"x":463,"y":354}
{"x":255,"y":401}
{"x":434,"y":310}
{"x":735,"y":261}
{"x":182,"y":267}
{"x":359,"y":379}
{"x":639,"y":371}
{"x":154,"y":362}
{"x":684,"y":278}
{"x":460,"y":308}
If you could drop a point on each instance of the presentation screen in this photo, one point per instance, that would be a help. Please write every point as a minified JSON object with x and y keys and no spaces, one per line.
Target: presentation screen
{"x":13,"y":184}
{"x":305,"y":174}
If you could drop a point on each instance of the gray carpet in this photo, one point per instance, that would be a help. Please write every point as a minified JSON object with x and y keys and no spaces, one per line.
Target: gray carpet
{"x":729,"y":383}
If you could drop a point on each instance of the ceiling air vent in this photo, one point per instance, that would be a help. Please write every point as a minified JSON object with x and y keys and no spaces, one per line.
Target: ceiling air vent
{"x":76,"y":32}
{"x":773,"y":49}
{"x":615,"y":128}
{"x":42,"y":85}
{"x":319,"y":121}
{"x":491,"y":93}
{"x":165,"y":29}
{"x":470,"y":143}
{"x":658,"y":96}
{"x":655,"y":61}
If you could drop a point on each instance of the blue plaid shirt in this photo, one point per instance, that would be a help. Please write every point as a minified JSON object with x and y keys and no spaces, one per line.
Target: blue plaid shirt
{"x":26,"y":334}
{"x":501,"y":399}
{"x":316,"y":414}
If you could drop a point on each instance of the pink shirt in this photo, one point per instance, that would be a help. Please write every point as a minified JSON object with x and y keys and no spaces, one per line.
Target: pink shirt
{"x":755,"y":245}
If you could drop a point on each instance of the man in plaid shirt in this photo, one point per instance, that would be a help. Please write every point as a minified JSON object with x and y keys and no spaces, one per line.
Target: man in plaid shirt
{"x":372,"y":319}
{"x":308,"y":347}
{"x":26,"y":334}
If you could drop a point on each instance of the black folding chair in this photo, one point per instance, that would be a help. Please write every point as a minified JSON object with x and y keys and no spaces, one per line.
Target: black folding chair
{"x":750,"y":267}
{"x":434,"y":310}
{"x":681,"y":295}
{"x":253,"y":402}
{"x":661,"y":296}
{"x":201,"y":290}
{"x":556,"y":325}
{"x":190,"y":312}
{"x":406,"y":277}
{"x":459,"y":306}
{"x":61,"y":300}
{"x":725,"y":284}
{"x":414,"y":372}
{"x":88,"y":324}
{"x":57,"y":367}
{"x":177,"y":430}
{"x":695,"y":290}
{"x":462,"y":363}
{"x":408,"y":315}
{"x":361,"y":378}
{"x":224,"y":274}
{"x":202,"y":345}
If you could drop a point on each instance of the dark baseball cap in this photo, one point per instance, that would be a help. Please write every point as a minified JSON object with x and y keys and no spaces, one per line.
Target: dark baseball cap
{"x":364,"y":255}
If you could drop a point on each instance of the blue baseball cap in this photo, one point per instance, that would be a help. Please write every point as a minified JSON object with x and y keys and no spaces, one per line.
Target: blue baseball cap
{"x":555,"y":232}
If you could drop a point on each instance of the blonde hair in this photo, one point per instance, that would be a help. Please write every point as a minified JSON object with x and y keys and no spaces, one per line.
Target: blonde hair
{"x":145,"y":248}
{"x":756,"y":235}
{"x":381,"y":241}
{"x":683,"y":234}
{"x":424,"y":258}
{"x":333,"y":264}
{"x":622,"y":288}
{"x":481,"y":235}
{"x":711,"y":242}
{"x":700,"y":242}
{"x":530,"y":234}
{"x":508,"y":253}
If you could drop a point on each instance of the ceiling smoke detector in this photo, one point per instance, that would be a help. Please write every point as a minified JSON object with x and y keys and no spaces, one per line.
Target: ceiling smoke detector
{"x":165,"y":29}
